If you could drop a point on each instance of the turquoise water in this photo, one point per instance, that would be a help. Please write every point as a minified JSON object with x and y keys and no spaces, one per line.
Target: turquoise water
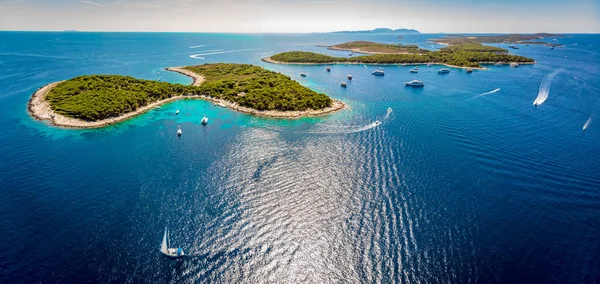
{"x":464,"y":181}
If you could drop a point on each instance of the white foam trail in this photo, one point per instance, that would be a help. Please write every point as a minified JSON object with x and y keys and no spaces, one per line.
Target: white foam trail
{"x":197,"y":46}
{"x":545,"y":88}
{"x":580,"y":80}
{"x":587,"y":123}
{"x":487,"y":93}
{"x":220,"y":52}
{"x":365,"y":66}
{"x":389,"y":112}
{"x":196,"y":56}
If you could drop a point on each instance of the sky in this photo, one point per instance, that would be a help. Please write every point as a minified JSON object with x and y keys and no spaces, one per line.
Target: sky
{"x":296,"y":16}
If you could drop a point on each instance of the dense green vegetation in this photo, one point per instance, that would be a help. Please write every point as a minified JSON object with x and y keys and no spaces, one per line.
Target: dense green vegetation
{"x":369,"y":46}
{"x":102,"y":96}
{"x":469,"y":55}
{"x":98,"y":97}
{"x":257,"y":88}
{"x":510,"y":38}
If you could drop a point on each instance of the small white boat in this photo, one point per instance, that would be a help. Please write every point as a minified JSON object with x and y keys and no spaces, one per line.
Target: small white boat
{"x":389,"y":109}
{"x":220,"y":105}
{"x":159,"y":79}
{"x":414,"y":70}
{"x":514,"y":64}
{"x":179,"y":131}
{"x":204,"y":120}
{"x":469,"y":70}
{"x":444,"y":71}
{"x":167,"y":250}
{"x":377,"y":122}
{"x":415,"y":83}
{"x":176,"y":112}
{"x":349,"y":77}
{"x":428,"y":64}
{"x":378,"y":72}
{"x":498,"y":64}
{"x":343,"y":84}
{"x":328,"y":69}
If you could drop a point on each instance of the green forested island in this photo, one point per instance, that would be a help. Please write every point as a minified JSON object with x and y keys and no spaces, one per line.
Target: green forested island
{"x":464,"y":55}
{"x":374,"y":47}
{"x":510,"y":38}
{"x":98,"y":97}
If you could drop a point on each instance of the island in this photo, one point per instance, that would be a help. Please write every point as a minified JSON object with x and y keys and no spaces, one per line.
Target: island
{"x":95,"y":101}
{"x":509,"y":38}
{"x":470,"y":55}
{"x":380,"y":31}
{"x":369,"y":47}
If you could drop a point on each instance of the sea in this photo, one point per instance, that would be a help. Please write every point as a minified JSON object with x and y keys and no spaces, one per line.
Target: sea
{"x":462,"y":181}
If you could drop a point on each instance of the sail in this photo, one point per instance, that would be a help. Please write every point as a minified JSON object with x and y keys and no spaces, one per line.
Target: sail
{"x":164,"y":245}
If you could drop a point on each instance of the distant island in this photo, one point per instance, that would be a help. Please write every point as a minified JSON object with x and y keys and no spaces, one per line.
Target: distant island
{"x":510,"y":38}
{"x":470,"y":55}
{"x":99,"y":100}
{"x":380,"y":31}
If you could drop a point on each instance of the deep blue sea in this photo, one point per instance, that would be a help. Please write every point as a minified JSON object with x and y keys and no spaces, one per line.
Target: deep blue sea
{"x":464,"y":181}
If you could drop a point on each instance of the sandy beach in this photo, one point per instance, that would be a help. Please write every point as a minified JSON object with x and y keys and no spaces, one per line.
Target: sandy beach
{"x":40,"y":109}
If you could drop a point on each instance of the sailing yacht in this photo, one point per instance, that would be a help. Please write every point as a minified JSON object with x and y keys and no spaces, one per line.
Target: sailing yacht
{"x":167,"y":250}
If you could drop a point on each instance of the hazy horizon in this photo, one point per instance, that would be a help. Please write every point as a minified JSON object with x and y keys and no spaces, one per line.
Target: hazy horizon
{"x":291,"y":16}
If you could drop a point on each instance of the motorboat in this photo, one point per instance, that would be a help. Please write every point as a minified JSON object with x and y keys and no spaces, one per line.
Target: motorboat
{"x":328,"y":69}
{"x":179,"y":131}
{"x":469,"y":70}
{"x":377,"y":122}
{"x":378,"y":72}
{"x":415,"y":83}
{"x":349,"y":77}
{"x":428,"y":64}
{"x":514,"y":64}
{"x":414,"y":70}
{"x":444,"y":71}
{"x":204,"y":120}
{"x":221,"y":105}
{"x":513,"y":47}
{"x":389,"y":109}
{"x":343,"y":84}
{"x":176,"y":112}
{"x":302,"y":75}
{"x":167,"y":250}
{"x":498,"y":64}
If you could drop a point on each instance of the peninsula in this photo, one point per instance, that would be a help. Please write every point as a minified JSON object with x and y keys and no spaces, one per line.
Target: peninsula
{"x":470,"y":55}
{"x":509,"y":38}
{"x":99,"y":100}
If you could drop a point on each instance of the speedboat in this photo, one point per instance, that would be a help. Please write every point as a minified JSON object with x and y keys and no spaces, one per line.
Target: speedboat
{"x":378,"y":72}
{"x":444,"y":71}
{"x":389,"y":109}
{"x":167,"y":250}
{"x":377,"y":122}
{"x":349,"y":77}
{"x":204,"y":120}
{"x":328,"y":69}
{"x":514,"y":64}
{"x":469,"y":70}
{"x":414,"y":70}
{"x":176,"y":112}
{"x":513,"y":47}
{"x":179,"y":131}
{"x":415,"y":83}
{"x":343,"y":84}
{"x":302,"y":75}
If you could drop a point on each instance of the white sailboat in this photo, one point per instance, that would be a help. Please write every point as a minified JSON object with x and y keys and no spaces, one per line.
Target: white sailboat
{"x":167,"y":250}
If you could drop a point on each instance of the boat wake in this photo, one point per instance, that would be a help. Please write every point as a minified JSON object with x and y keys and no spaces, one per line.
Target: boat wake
{"x":201,"y":55}
{"x":587,"y":123}
{"x":487,"y":93}
{"x":198,"y":46}
{"x":545,"y":88}
{"x":579,"y":79}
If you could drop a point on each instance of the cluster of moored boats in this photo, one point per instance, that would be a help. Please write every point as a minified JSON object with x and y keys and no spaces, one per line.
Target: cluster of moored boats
{"x":203,"y":121}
